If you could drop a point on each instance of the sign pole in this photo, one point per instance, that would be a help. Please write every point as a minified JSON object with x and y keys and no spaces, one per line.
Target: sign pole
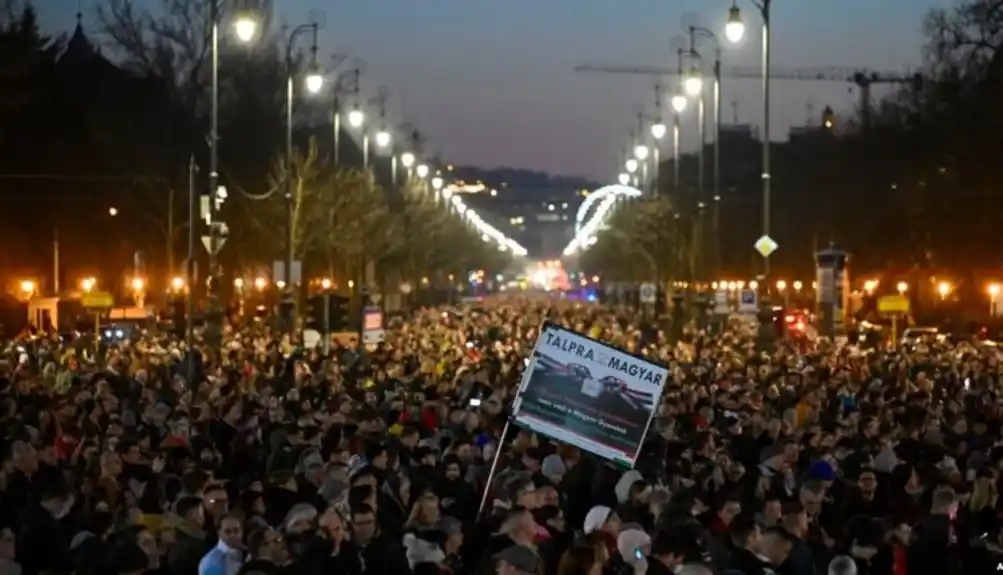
{"x":327,"y":324}
{"x":494,"y":467}
{"x":97,"y":333}
{"x":895,"y":330}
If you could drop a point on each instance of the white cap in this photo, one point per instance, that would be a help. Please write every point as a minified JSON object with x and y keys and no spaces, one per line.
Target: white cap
{"x":595,"y":518}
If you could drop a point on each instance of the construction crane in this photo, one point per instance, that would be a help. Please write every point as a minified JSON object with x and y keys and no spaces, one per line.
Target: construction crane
{"x":861,"y":78}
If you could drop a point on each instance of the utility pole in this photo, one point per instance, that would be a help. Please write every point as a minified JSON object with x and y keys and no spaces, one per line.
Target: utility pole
{"x":214,"y":317}
{"x":190,"y":276}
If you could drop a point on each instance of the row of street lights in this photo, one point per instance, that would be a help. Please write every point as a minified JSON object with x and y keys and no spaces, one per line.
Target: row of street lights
{"x":246,"y":29}
{"x":692,"y":87}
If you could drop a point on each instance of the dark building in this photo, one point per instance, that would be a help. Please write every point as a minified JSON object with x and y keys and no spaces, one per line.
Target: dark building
{"x":802,"y":214}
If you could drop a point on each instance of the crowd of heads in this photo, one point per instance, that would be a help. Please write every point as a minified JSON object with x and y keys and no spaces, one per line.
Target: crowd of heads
{"x":267,"y":457}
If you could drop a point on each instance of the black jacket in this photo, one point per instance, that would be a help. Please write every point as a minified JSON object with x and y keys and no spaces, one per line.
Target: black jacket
{"x":384,"y":555}
{"x":261,"y":567}
{"x":184,"y":556}
{"x":43,"y":542}
{"x":930,"y":552}
{"x":745,"y":561}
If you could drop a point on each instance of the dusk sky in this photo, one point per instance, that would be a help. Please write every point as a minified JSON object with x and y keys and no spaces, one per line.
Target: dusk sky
{"x":491,"y":82}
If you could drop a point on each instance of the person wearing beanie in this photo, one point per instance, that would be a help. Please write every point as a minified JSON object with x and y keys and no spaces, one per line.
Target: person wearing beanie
{"x":822,"y":470}
{"x":633,"y":545}
{"x":553,"y":468}
{"x":623,"y":486}
{"x":596,"y":519}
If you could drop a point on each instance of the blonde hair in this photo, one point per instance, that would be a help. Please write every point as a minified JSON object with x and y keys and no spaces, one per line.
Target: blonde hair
{"x":414,"y":518}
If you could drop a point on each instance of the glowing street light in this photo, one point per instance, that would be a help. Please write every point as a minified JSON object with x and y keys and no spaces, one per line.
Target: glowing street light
{"x":382,"y":138}
{"x":421,"y":171}
{"x":993,"y":290}
{"x":314,"y":82}
{"x":902,"y":287}
{"x":246,"y":28}
{"x":238,"y":283}
{"x":679,"y":103}
{"x":641,"y":152}
{"x":260,"y":283}
{"x":623,"y":178}
{"x":178,"y":283}
{"x":407,"y":159}
{"x":943,"y":288}
{"x":798,"y":285}
{"x":693,"y":83}
{"x":631,"y":165}
{"x":325,"y":284}
{"x":356,"y":118}
{"x":870,"y":286}
{"x":28,"y":287}
{"x":734,"y":30}
{"x":137,"y":284}
{"x":658,"y":130}
{"x":437,"y":183}
{"x":781,"y":286}
{"x":87,"y":284}
{"x":113,"y":211}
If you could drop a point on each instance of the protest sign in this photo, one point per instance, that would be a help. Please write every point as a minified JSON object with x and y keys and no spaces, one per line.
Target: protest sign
{"x":585,"y":393}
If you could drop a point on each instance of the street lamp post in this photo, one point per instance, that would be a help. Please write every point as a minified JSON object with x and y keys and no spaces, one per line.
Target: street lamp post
{"x":693,"y":85}
{"x":314,"y":82}
{"x":658,"y":130}
{"x":716,"y":99}
{"x":632,"y":165}
{"x":735,"y":30}
{"x":245,"y":27}
{"x":679,"y":103}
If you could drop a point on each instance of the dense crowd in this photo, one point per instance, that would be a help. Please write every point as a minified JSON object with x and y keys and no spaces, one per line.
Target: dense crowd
{"x":276,"y":459}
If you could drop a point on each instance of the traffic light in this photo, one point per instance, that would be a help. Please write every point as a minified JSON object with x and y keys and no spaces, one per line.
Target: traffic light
{"x":314,"y":313}
{"x":177,"y":312}
{"x":327,"y":313}
{"x":339,"y":312}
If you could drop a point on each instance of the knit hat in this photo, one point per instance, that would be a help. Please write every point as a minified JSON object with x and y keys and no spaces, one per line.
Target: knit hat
{"x":629,"y":541}
{"x":886,"y":460}
{"x":622,"y":488}
{"x":553,"y":465}
{"x":821,"y":469}
{"x":299,"y":512}
{"x":595,"y":518}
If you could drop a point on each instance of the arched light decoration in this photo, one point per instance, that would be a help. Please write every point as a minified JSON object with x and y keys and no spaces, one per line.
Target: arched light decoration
{"x":586,"y":228}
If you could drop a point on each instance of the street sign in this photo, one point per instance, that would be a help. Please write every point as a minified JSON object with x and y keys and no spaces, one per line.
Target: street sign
{"x":722,"y":304}
{"x":748,"y":301}
{"x":893,"y":304}
{"x":207,"y":243}
{"x":372,"y":326}
{"x":97,"y":299}
{"x":765,"y":246}
{"x":279,"y":271}
{"x":648,"y":292}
